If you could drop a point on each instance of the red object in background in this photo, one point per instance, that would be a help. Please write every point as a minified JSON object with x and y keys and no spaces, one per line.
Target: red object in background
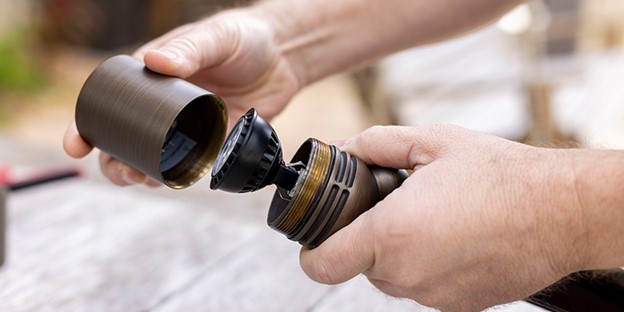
{"x":5,"y":174}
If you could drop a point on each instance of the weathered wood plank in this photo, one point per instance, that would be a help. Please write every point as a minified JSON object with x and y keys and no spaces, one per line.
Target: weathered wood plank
{"x":263,"y":275}
{"x":80,"y":245}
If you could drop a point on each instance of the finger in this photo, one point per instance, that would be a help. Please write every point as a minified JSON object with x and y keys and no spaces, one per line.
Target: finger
{"x":344,"y":255}
{"x":403,"y":147}
{"x":120,"y":173}
{"x":207,"y":45}
{"x":73,"y":144}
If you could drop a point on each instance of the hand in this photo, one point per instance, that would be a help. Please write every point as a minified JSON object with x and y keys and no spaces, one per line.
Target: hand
{"x":233,"y":54}
{"x":481,"y":221}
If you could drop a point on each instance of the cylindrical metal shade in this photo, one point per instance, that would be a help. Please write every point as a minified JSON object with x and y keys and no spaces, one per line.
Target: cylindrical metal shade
{"x":165,"y":127}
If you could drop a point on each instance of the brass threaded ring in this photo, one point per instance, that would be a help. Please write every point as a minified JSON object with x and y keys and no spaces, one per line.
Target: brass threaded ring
{"x":316,"y":172}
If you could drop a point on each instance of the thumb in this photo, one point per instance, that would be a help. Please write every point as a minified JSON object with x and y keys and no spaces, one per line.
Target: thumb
{"x":205,"y":45}
{"x":403,"y":147}
{"x":343,"y":255}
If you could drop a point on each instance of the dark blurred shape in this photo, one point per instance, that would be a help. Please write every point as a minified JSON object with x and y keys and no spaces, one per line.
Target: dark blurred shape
{"x":113,"y":24}
{"x":100,"y":24}
{"x":41,"y":178}
{"x":120,"y":22}
{"x":562,"y":34}
{"x":584,"y":291}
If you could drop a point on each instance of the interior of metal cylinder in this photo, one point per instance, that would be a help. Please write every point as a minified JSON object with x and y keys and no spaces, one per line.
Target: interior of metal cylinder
{"x":193,"y":141}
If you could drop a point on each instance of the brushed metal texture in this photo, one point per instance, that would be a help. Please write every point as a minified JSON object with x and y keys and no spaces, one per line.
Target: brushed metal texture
{"x":128,"y":111}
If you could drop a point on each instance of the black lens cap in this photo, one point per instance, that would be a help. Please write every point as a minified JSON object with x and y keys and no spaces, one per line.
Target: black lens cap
{"x":251,"y":158}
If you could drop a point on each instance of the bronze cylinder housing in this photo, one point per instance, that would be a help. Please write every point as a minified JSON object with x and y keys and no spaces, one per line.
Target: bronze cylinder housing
{"x":332,"y":190}
{"x":165,"y":127}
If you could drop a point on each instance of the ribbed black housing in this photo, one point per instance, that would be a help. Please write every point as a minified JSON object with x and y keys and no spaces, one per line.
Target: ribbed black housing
{"x":250,"y":158}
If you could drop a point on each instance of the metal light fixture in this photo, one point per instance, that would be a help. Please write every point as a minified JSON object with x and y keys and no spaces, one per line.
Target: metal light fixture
{"x":320,"y":191}
{"x":173,"y":131}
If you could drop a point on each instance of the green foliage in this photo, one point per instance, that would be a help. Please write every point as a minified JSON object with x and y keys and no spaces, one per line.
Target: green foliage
{"x":18,"y":70}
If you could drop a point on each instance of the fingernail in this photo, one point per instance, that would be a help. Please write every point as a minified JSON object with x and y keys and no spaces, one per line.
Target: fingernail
{"x":132,"y":177}
{"x":172,"y":56}
{"x":125,"y":176}
{"x":152,"y":183}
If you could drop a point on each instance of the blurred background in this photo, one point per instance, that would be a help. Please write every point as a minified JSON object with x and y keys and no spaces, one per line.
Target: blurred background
{"x":549,"y":73}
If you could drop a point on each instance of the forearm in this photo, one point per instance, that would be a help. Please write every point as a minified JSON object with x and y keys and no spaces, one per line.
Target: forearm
{"x":323,"y":37}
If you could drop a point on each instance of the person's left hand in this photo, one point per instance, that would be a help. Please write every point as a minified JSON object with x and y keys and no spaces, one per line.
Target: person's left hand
{"x":482,"y":220}
{"x":234,"y":54}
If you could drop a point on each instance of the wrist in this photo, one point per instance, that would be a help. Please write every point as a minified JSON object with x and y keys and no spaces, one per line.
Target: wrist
{"x":584,"y":194}
{"x":324,"y":37}
{"x":600,"y":191}
{"x":569,"y":217}
{"x":300,"y":35}
{"x":555,"y":211}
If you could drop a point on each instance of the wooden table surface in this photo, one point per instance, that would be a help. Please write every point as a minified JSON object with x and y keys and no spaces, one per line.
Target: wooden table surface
{"x":83,"y":244}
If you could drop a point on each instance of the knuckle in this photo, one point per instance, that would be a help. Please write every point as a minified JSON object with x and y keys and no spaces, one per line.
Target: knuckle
{"x":389,"y":233}
{"x":444,"y":128}
{"x":375,"y":130}
{"x":447,"y":131}
{"x":188,"y":45}
{"x":369,"y":137}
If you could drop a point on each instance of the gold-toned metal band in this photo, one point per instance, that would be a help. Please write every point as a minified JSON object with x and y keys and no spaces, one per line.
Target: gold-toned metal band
{"x":318,"y":167}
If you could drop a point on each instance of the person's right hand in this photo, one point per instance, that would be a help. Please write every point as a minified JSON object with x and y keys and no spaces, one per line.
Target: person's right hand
{"x":234,"y":54}
{"x":482,"y":220}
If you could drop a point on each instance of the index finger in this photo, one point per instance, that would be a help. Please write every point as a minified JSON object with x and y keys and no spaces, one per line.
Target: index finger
{"x":73,"y":144}
{"x":403,"y":147}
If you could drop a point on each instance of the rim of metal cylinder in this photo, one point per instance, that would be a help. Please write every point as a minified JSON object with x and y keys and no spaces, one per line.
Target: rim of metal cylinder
{"x":128,"y":111}
{"x":197,"y":165}
{"x":317,"y":156}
